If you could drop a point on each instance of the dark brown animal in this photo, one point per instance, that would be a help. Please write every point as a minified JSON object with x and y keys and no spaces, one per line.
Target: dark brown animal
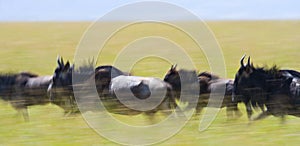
{"x":23,"y":90}
{"x":209,"y":84}
{"x":277,"y":90}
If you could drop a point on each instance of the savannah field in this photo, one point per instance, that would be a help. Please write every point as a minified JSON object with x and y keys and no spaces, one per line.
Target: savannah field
{"x":34,"y":47}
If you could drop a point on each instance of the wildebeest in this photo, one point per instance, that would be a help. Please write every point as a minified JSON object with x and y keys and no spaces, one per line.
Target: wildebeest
{"x":141,"y":95}
{"x":277,"y":90}
{"x":24,"y":89}
{"x":62,"y":78}
{"x":61,"y":89}
{"x":107,"y":84}
{"x":103,"y":76}
{"x":206,"y":82}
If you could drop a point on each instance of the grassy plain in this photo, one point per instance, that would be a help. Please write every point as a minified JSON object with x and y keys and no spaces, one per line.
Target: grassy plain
{"x":35,"y":46}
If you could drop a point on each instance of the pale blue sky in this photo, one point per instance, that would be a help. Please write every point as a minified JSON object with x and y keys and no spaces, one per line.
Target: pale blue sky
{"x":90,"y":10}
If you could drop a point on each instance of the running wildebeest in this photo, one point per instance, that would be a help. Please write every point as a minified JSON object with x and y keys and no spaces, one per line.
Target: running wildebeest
{"x":277,"y":90}
{"x":23,"y":90}
{"x":142,"y":95}
{"x":61,"y":89}
{"x":206,"y":82}
{"x":103,"y":76}
{"x":107,"y":84}
{"x":62,"y":78}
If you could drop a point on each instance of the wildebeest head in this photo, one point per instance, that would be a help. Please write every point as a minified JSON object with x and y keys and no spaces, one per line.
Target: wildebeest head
{"x":242,"y":80}
{"x":251,"y":81}
{"x":173,"y":78}
{"x":62,"y":80}
{"x":184,"y":83}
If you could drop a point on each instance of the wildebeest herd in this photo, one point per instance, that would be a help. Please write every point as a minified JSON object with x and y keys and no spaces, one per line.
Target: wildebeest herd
{"x":276,"y":92}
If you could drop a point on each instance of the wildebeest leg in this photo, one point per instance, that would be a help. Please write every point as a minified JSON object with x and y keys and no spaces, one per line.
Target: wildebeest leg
{"x":232,"y":110}
{"x":198,"y":111}
{"x":67,"y":113}
{"x":262,"y":115}
{"x":229,"y":112}
{"x":68,"y":106}
{"x":282,"y":119}
{"x":21,"y":108}
{"x":24,"y":112}
{"x":249,"y":110}
{"x":170,"y":106}
{"x":151,"y":116}
{"x":73,"y":106}
{"x":237,"y":112}
{"x":230,"y":107}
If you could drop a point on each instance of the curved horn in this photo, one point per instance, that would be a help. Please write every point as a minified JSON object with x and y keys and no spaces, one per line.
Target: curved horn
{"x":67,"y":65}
{"x":174,"y":67}
{"x":62,"y":61}
{"x":242,"y":60}
{"x":72,"y":67}
{"x":93,"y":61}
{"x":58,"y":57}
{"x":58,"y":61}
{"x":248,"y":63}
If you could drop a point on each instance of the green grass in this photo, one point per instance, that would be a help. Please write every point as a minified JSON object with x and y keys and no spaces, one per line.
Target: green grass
{"x":35,"y":46}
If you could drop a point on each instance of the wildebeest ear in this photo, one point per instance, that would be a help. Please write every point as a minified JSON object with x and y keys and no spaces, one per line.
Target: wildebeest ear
{"x":242,"y":61}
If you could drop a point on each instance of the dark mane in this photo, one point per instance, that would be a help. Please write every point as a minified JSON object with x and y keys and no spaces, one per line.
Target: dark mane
{"x":82,"y":72}
{"x":187,"y":75}
{"x":107,"y":67}
{"x":273,"y":71}
{"x":208,"y":75}
{"x":28,"y":74}
{"x":10,"y":78}
{"x":181,"y":76}
{"x":113,"y":70}
{"x":188,"y":81}
{"x":85,"y":68}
